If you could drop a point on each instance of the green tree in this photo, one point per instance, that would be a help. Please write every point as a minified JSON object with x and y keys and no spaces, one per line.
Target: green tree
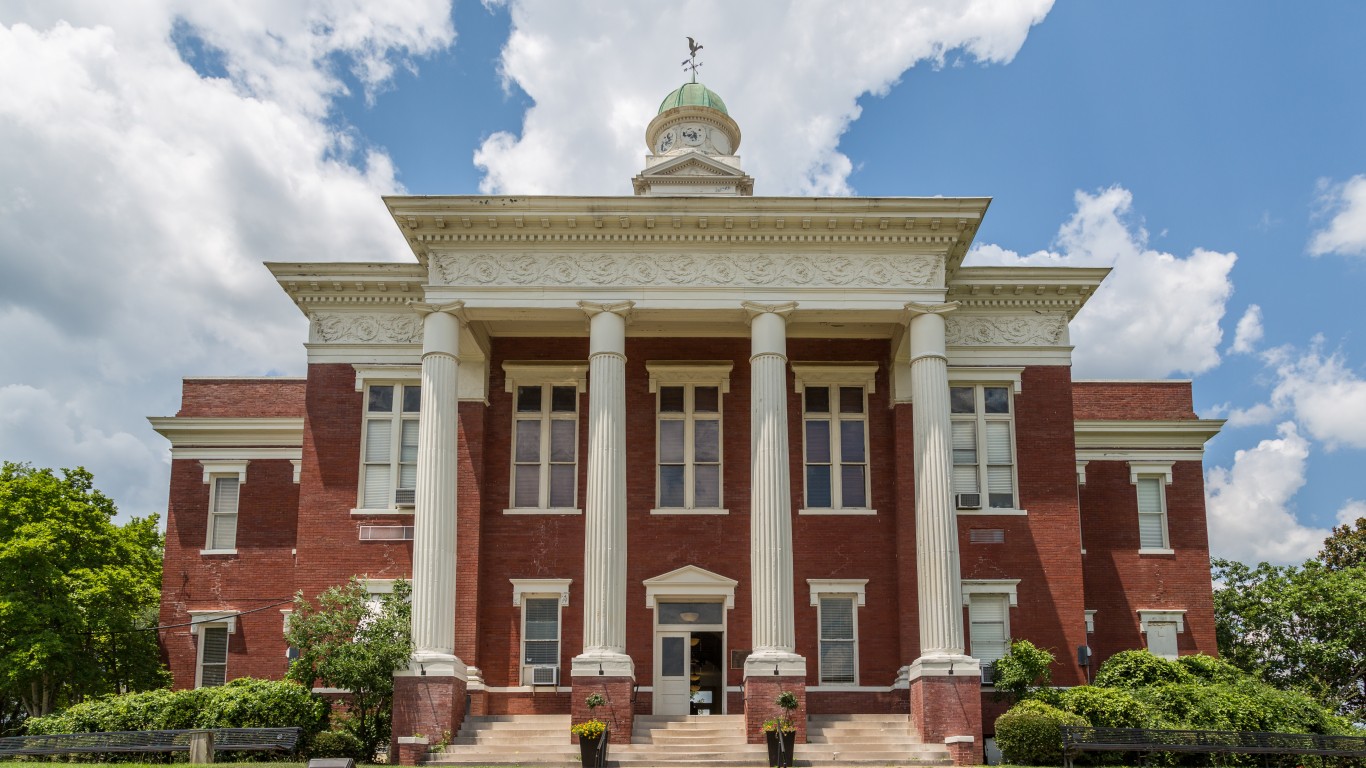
{"x":1298,"y":628}
{"x":1346,"y":547}
{"x":345,"y":641}
{"x":1024,"y":667}
{"x":76,"y":592}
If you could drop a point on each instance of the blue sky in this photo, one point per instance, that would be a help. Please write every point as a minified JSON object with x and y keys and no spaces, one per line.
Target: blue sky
{"x":1210,"y":152}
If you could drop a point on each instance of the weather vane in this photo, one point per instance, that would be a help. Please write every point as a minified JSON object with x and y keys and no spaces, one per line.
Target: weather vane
{"x":691,"y":63}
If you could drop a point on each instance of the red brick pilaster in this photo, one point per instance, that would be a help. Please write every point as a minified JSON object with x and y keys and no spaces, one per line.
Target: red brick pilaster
{"x":618,"y":712}
{"x":761,"y":703}
{"x":947,"y":709}
{"x":426,"y":705}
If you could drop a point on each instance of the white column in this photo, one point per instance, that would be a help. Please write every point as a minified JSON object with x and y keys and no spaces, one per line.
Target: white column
{"x":936,"y":520}
{"x":434,"y":517}
{"x":604,"y":509}
{"x":770,"y":516}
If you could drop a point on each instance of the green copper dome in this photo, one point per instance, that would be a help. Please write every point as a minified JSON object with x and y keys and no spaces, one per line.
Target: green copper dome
{"x":693,"y":95}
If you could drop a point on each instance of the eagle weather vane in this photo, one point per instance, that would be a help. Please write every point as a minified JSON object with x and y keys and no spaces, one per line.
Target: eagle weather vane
{"x":691,"y":63}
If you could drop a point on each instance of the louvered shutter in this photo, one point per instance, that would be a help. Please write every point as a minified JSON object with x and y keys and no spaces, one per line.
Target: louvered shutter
{"x":407,"y":471}
{"x":542,"y":630}
{"x":1151,"y":533}
{"x":965,"y":457}
{"x":223,"y":530}
{"x":837,"y":640}
{"x":1000,"y":472}
{"x":987,"y":615}
{"x":378,"y":453}
{"x":214,"y":659}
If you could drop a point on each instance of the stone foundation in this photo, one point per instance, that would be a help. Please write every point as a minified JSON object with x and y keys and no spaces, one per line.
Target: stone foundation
{"x":761,"y":703}
{"x":618,"y":712}
{"x":425,"y":705}
{"x":947,"y":709}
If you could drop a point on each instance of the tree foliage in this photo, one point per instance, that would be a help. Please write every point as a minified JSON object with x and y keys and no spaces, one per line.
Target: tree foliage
{"x":1298,"y":628}
{"x":1346,"y":547}
{"x":1024,"y":666}
{"x":345,"y":641}
{"x":77,"y":592}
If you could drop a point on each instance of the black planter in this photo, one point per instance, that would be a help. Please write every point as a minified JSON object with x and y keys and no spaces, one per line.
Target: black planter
{"x":780,"y":744}
{"x":593,"y":752}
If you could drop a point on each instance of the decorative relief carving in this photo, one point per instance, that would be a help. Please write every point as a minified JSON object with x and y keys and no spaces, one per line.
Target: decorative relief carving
{"x":1037,"y":329}
{"x":367,"y":328}
{"x":721,"y":270}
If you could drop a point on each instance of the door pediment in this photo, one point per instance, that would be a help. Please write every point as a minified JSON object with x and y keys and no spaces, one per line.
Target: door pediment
{"x":690,"y":582}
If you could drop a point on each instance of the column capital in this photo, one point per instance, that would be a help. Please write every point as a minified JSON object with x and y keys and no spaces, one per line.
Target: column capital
{"x":622,"y":308}
{"x":915,"y":308}
{"x":455,"y":308}
{"x":753,"y":309}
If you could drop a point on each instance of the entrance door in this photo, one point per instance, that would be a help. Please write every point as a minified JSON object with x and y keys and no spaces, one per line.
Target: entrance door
{"x":673,"y":665}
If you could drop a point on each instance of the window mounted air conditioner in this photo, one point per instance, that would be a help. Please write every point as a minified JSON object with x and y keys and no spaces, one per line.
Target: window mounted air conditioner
{"x":405,"y":497}
{"x":968,"y":500}
{"x":988,"y":674}
{"x":545,"y":675}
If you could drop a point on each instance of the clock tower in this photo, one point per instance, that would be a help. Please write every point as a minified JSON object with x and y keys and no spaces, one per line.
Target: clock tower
{"x":692,"y":144}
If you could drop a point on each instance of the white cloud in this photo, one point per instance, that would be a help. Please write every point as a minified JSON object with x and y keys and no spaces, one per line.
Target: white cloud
{"x":1248,"y":332}
{"x":791,"y":74}
{"x":138,"y":198}
{"x":1155,"y":315}
{"x":1353,"y":510}
{"x":1323,"y":394}
{"x":1345,"y":232}
{"x":1250,"y":518}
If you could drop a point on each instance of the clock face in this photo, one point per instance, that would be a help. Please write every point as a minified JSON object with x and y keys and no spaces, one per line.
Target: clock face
{"x":692,"y":135}
{"x":666,"y":142}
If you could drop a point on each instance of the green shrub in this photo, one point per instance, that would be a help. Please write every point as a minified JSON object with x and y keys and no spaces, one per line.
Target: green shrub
{"x":1030,"y":733}
{"x":1109,"y":707}
{"x":242,"y":703}
{"x":1211,"y":669}
{"x":338,"y":744}
{"x":1135,"y":669}
{"x":1023,"y":667}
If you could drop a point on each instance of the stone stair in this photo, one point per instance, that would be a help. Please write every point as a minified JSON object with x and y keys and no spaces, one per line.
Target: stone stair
{"x":703,"y":741}
{"x":840,"y":740}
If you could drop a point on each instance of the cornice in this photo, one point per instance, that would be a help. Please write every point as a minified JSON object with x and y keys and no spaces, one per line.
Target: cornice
{"x":350,"y":285}
{"x":995,"y":289}
{"x":1097,"y":435}
{"x":229,"y":432}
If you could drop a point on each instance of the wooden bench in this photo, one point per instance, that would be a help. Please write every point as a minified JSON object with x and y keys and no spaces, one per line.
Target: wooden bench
{"x":1146,"y":741}
{"x":224,"y":740}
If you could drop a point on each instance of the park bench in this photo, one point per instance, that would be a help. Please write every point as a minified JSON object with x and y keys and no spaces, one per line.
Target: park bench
{"x":1147,"y":741}
{"x":224,"y":740}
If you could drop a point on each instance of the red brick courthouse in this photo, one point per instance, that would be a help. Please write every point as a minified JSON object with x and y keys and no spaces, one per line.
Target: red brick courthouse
{"x":689,"y":448}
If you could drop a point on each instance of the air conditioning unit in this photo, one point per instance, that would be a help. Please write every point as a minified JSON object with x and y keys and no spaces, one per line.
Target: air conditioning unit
{"x":405,"y":497}
{"x":968,"y":500}
{"x":988,"y":673}
{"x":545,"y":675}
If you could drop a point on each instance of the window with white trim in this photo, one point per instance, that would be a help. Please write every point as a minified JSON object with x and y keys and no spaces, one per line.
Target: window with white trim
{"x":689,"y":446}
{"x":1161,"y":628}
{"x":213,"y":655}
{"x":389,"y":452}
{"x":983,"y":446}
{"x":1152,"y":513}
{"x":224,"y":492}
{"x":989,"y":626}
{"x":835,"y":443}
{"x":541,"y":601}
{"x":545,"y":446}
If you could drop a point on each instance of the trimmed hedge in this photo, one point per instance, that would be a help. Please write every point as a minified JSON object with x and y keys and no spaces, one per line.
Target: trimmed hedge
{"x":242,"y":703}
{"x":1136,"y":669}
{"x":1030,"y":733}
{"x":338,"y":744}
{"x":1109,"y":707}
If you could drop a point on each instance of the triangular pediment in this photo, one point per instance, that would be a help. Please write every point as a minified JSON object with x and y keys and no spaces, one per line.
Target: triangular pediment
{"x":690,"y":581}
{"x":692,"y":164}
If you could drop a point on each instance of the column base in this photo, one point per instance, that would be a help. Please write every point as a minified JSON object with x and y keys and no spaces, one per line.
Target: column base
{"x":619,"y":711}
{"x":427,"y":709}
{"x":761,"y":703}
{"x":946,"y":705}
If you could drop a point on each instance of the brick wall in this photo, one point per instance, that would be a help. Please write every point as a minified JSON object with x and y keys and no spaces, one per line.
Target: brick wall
{"x":242,"y":398}
{"x":1132,"y":400}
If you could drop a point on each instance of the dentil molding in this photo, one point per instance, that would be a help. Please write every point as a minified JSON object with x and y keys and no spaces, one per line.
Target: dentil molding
{"x":681,"y":269}
{"x":1035,"y":329}
{"x":366,"y":328}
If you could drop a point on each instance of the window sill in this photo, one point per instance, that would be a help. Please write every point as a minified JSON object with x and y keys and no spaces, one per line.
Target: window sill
{"x":837,"y":511}
{"x":693,"y":511}
{"x":992,"y":512}
{"x":1156,"y":551}
{"x":385,"y":512}
{"x":228,"y":552}
{"x":543,"y":511}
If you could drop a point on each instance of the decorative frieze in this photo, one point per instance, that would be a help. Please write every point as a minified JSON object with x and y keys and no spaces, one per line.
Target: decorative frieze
{"x":366,"y":328}
{"x":1034,"y":329}
{"x":692,"y":270}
